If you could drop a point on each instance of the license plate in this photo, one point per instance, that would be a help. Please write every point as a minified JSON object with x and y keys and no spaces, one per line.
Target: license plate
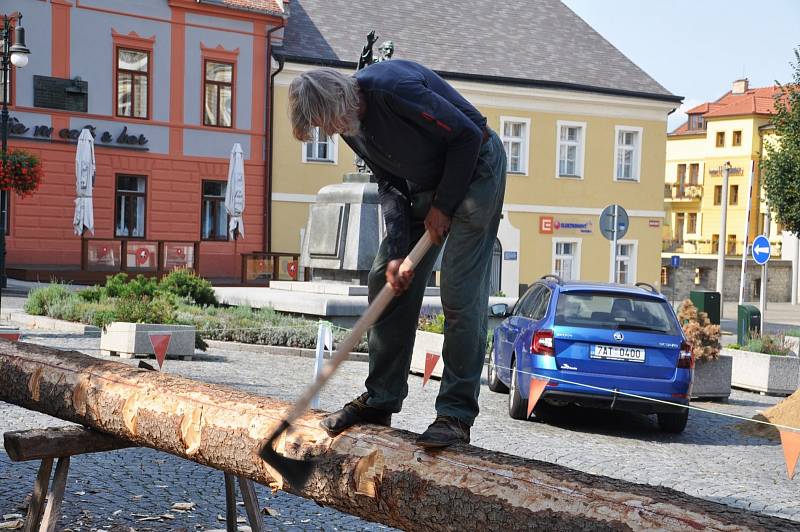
{"x":616,"y":352}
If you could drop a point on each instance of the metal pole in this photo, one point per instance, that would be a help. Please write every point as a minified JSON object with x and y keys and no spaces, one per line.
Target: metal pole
{"x":614,"y":247}
{"x":746,"y":230}
{"x":6,"y":64}
{"x":795,"y":269}
{"x":763,"y":299}
{"x":722,"y":234}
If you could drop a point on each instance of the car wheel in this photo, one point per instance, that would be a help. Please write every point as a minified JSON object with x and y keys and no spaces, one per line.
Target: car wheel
{"x":673,"y":422}
{"x":517,"y":406}
{"x":495,"y":384}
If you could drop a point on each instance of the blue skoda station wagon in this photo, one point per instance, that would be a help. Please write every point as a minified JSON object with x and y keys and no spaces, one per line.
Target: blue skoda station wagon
{"x":593,"y":341}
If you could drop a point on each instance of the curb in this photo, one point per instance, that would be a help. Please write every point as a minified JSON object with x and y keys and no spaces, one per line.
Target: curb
{"x":301,"y":352}
{"x":29,"y":321}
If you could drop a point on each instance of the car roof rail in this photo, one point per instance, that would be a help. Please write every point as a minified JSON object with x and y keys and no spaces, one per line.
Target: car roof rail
{"x":556,"y":278}
{"x":648,"y":286}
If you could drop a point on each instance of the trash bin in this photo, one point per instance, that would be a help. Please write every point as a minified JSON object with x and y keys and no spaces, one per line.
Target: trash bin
{"x":708,"y":302}
{"x":749,"y":319}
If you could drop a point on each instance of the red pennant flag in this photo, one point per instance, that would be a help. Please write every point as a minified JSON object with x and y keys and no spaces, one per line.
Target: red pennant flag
{"x":160,"y":344}
{"x":791,"y":449}
{"x":430,"y":362}
{"x":537,"y":387}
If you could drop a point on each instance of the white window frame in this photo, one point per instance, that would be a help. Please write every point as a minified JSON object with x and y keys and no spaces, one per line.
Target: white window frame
{"x":697,"y":230}
{"x":576,"y":262}
{"x":524,"y":141}
{"x":333,"y":150}
{"x":632,"y":261}
{"x":581,"y":149}
{"x":637,"y":163}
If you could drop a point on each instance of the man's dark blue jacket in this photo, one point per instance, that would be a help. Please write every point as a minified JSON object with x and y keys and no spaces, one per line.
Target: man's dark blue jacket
{"x":417,"y":134}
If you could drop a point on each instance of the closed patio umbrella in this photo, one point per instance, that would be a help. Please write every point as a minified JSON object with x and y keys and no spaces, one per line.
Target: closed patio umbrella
{"x":84,"y":174}
{"x":234,"y":194}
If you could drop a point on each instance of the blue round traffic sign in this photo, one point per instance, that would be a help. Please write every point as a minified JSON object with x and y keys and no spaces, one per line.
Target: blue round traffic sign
{"x":761,"y":249}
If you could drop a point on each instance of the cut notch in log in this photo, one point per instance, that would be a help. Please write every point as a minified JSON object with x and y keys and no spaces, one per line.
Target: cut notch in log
{"x":377,"y":473}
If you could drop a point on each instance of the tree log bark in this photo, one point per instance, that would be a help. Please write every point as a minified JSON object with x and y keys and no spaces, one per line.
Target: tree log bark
{"x":373,"y":472}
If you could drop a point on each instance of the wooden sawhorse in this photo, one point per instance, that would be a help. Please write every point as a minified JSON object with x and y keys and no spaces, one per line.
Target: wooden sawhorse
{"x":62,"y":442}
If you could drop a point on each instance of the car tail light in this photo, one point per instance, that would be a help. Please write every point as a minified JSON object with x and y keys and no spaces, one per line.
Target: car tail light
{"x":686,"y":359}
{"x":542,"y":343}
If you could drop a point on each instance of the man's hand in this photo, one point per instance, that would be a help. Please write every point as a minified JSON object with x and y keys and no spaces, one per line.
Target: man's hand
{"x":438,"y":224}
{"x":398,"y":275}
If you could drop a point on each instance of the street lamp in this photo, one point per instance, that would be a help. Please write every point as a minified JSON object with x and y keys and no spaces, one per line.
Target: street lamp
{"x":15,"y":54}
{"x":723,"y":238}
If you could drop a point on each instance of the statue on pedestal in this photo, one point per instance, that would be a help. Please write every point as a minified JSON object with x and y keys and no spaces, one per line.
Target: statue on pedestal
{"x":367,"y":57}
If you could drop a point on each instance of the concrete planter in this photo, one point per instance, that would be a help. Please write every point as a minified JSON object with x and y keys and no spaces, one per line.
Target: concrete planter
{"x":764,"y":373}
{"x":427,"y":342}
{"x":712,"y":380}
{"x":128,"y":340}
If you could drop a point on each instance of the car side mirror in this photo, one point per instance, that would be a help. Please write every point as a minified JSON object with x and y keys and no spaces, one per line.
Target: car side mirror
{"x":499,"y":310}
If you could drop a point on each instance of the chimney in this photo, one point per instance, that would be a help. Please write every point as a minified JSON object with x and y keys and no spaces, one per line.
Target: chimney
{"x":740,"y":86}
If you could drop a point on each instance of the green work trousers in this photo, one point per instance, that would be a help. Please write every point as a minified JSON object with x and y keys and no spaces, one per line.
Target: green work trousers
{"x":466,"y":264}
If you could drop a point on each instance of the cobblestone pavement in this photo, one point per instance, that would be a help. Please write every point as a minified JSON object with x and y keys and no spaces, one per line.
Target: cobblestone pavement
{"x":711,"y":459}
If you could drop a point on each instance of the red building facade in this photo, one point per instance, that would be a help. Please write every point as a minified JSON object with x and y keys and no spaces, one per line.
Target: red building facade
{"x":167,"y":87}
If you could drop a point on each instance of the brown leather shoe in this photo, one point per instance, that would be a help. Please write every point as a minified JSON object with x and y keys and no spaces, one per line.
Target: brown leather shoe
{"x":443,"y":432}
{"x":355,"y":412}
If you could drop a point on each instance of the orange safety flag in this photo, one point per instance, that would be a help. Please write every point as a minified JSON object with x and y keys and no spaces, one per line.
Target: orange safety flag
{"x":537,"y":387}
{"x":791,"y":449}
{"x":160,"y":344}
{"x":430,"y":362}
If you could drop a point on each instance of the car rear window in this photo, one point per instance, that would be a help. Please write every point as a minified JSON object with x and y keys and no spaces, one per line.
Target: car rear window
{"x":602,"y":310}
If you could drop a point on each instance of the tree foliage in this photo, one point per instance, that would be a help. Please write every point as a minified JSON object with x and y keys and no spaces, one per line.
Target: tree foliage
{"x":781,"y":166}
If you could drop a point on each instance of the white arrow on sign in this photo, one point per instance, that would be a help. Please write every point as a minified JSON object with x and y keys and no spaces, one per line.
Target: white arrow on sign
{"x":760,"y":249}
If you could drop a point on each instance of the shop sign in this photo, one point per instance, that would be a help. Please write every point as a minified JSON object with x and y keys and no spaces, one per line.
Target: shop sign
{"x":548,"y":225}
{"x":509,"y":255}
{"x":737,"y":170}
{"x":121,"y":139}
{"x":654,"y":223}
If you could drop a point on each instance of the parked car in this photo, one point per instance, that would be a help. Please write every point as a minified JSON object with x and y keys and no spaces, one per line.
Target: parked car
{"x":593,"y":340}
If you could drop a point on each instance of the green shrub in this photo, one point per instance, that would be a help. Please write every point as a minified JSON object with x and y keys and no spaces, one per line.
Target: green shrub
{"x":186,"y":284}
{"x":41,"y":299}
{"x":792,"y":332}
{"x":768,"y":344}
{"x":734,"y":346}
{"x":144,"y":309}
{"x":432,"y":324}
{"x":121,"y":286}
{"x":92,"y":294}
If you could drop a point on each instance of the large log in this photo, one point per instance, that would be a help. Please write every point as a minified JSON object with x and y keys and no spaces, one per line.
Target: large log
{"x":373,"y":472}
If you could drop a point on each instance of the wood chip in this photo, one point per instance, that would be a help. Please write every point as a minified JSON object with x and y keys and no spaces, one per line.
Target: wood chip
{"x":183,"y":506}
{"x":168,"y":516}
{"x":12,"y":525}
{"x":8,"y":517}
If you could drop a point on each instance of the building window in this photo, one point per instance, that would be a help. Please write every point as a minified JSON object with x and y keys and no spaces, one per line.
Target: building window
{"x":720,"y":139}
{"x":214,"y":224}
{"x":730,"y":247}
{"x":737,"y":138}
{"x":321,"y":148}
{"x":515,"y":134}
{"x":218,"y":102}
{"x":694,"y":173}
{"x":733,"y":198}
{"x":696,"y":122}
{"x":133,"y":83}
{"x":566,"y":258}
{"x":626,"y":263}
{"x":691,"y":223}
{"x":130,"y":206}
{"x":628,"y":153}
{"x":571,"y":139}
{"x":681,"y":178}
{"x":714,"y":243}
{"x":680,"y":222}
{"x":5,"y":207}
{"x":717,"y":194}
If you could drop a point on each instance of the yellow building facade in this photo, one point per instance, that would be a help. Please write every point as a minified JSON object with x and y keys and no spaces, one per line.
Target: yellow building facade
{"x":571,"y":153}
{"x":730,"y":130}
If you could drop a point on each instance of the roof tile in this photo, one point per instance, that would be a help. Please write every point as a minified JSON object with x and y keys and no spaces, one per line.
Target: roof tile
{"x":520,"y":41}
